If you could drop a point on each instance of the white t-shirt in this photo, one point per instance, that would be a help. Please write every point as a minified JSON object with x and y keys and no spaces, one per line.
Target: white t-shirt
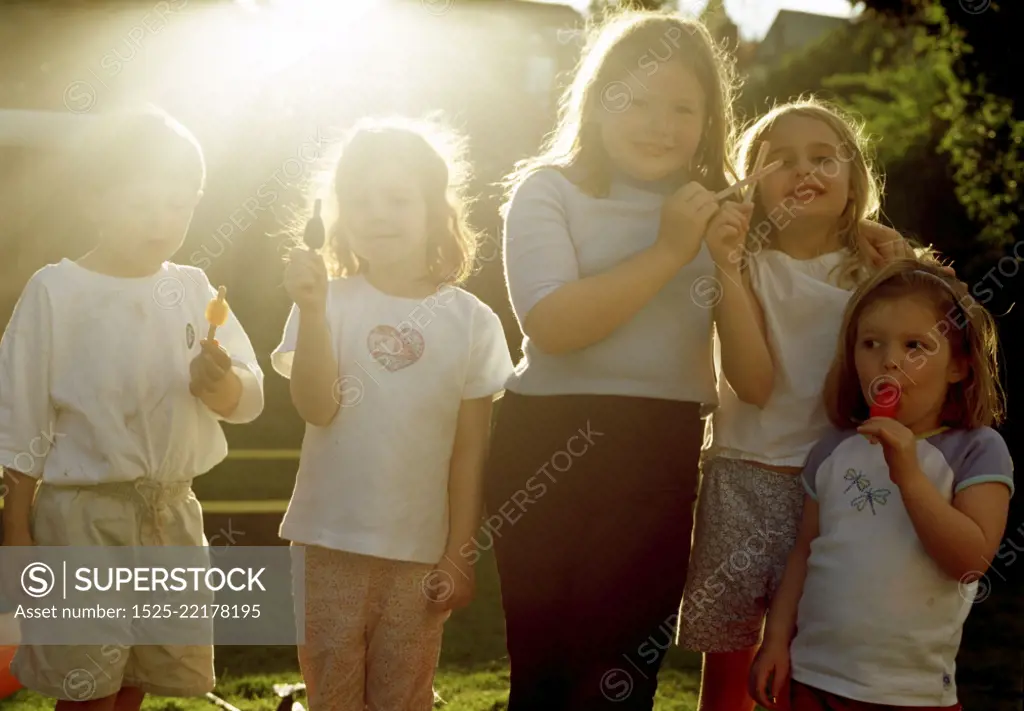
{"x":878,"y":620}
{"x":375,"y":480}
{"x":803,"y":312}
{"x":94,"y":377}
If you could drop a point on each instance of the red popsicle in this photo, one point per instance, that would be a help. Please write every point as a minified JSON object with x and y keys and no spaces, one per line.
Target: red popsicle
{"x":886,"y":401}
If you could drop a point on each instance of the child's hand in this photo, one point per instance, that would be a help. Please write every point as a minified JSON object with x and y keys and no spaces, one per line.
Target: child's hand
{"x":726,"y":233}
{"x":208,"y":368}
{"x":684,"y":218}
{"x":899,"y":445}
{"x":769,"y":676}
{"x":881,"y":245}
{"x":305,"y":279}
{"x":450,"y":585}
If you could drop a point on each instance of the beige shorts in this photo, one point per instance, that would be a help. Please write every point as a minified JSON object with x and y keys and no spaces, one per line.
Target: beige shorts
{"x":746,"y":521}
{"x":371,"y":640}
{"x":122,"y":514}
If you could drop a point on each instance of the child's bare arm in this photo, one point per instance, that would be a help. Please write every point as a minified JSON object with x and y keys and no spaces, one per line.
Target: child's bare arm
{"x":781,"y":622}
{"x":465,"y":482}
{"x":315,"y":371}
{"x":962,"y":537}
{"x":739,"y":321}
{"x":465,"y":495}
{"x":19,"y":491}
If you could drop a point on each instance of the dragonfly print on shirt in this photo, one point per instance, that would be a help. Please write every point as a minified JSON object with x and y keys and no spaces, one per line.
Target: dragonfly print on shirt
{"x":857,"y":479}
{"x":870,"y":497}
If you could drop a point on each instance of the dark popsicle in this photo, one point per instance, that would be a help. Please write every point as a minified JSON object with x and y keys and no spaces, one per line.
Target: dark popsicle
{"x":314,"y":233}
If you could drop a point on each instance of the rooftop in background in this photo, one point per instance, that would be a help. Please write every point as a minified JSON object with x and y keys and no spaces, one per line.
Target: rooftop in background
{"x":792,"y":31}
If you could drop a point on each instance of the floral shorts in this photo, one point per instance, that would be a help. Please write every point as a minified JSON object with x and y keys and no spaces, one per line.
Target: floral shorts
{"x":371,"y":640}
{"x":746,"y":522}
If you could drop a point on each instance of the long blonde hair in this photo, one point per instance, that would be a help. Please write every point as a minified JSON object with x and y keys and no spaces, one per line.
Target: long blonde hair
{"x":865,"y":182}
{"x":614,"y":49}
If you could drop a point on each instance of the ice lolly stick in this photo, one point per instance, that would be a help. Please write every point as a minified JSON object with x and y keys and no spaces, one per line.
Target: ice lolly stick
{"x":762,"y":156}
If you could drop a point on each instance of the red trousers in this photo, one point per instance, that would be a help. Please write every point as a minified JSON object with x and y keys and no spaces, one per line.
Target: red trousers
{"x":805,"y":698}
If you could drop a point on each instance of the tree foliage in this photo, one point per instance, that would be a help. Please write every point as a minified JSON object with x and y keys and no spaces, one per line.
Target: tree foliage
{"x":908,"y":76}
{"x":920,"y":90}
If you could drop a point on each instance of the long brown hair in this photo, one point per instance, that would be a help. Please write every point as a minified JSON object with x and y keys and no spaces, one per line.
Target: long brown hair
{"x":615,"y":48}
{"x":434,"y":155}
{"x":975,"y":401}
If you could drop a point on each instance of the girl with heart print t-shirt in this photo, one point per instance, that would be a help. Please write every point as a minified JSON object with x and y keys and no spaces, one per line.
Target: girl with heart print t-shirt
{"x":394,"y":370}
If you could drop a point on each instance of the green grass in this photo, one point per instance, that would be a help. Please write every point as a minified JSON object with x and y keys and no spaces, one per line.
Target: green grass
{"x":472,"y":675}
{"x":473,"y":671}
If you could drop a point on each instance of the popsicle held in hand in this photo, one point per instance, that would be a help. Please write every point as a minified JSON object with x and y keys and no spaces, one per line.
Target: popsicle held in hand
{"x":217,"y":313}
{"x":886,"y":401}
{"x":314,"y":233}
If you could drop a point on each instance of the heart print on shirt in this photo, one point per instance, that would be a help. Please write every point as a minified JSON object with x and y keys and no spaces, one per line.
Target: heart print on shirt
{"x":395,"y":349}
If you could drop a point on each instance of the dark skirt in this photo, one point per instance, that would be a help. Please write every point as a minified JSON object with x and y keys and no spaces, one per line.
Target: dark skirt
{"x":590,"y":509}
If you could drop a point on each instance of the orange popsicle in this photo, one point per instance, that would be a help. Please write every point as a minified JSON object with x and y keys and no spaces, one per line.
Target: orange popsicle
{"x":217,"y":312}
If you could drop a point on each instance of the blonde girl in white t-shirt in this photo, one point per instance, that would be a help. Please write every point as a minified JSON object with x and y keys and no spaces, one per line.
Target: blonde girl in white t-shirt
{"x":393,"y":368}
{"x":783,"y":293}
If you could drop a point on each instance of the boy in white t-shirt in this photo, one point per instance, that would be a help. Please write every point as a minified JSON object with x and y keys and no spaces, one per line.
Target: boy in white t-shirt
{"x":394,"y":369}
{"x":111,"y":400}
